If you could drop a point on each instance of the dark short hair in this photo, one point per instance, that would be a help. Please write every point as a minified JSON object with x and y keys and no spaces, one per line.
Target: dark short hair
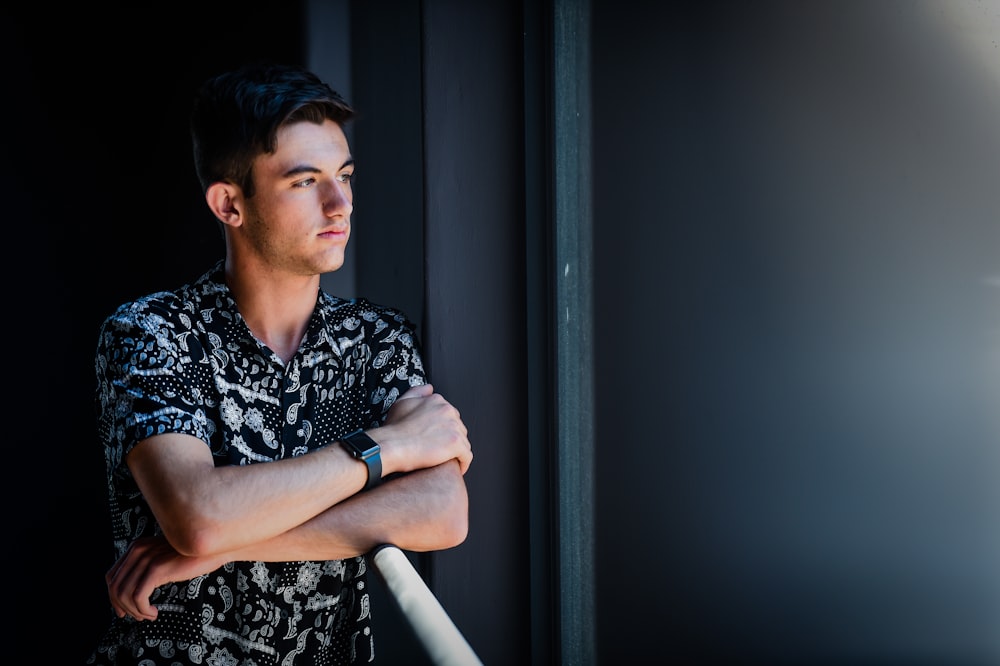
{"x":237,"y":115}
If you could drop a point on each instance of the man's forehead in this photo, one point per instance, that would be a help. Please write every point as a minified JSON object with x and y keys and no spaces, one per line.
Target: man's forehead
{"x":306,"y":142}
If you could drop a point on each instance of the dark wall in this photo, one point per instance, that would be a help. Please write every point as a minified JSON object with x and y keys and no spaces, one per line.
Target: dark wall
{"x":387,"y":226}
{"x":797,"y":253}
{"x":101,"y":205}
{"x":388,"y":223}
{"x":474,"y":263}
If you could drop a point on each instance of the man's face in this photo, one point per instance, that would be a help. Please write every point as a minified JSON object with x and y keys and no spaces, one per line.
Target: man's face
{"x":299,"y":219}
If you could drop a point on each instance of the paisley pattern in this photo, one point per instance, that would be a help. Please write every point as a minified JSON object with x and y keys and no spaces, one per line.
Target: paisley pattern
{"x":185,"y":362}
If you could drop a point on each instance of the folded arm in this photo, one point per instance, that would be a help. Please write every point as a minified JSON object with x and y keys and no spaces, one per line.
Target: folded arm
{"x":204,"y":510}
{"x":423,"y":510}
{"x":304,"y":508}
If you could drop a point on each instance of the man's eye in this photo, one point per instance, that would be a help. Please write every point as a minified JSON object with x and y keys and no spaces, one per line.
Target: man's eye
{"x":346,"y":177}
{"x":306,"y":182}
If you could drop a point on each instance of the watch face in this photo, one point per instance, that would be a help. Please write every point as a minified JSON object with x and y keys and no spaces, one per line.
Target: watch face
{"x":361,"y":445}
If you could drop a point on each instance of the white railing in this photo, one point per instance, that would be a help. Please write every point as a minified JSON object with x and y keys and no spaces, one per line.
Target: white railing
{"x":443,"y":642}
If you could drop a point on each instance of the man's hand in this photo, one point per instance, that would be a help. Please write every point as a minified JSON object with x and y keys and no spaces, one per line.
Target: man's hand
{"x":148,"y":563}
{"x":422,"y":430}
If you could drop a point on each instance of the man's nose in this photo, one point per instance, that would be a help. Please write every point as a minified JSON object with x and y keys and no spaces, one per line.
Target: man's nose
{"x":338,"y":200}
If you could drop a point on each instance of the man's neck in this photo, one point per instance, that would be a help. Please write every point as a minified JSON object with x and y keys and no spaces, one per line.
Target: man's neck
{"x":276,"y":307}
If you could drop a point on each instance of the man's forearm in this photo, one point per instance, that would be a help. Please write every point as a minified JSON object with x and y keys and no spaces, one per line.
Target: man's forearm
{"x":423,"y":510}
{"x":205,"y":510}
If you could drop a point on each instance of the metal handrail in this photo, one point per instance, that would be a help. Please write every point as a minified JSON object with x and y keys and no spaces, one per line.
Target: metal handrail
{"x":443,"y":642}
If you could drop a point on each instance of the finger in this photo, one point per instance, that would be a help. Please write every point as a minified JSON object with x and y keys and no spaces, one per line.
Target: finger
{"x":145,"y":610}
{"x":144,"y":591}
{"x":123,"y":587}
{"x":138,"y":593}
{"x":133,"y":598}
{"x":116,"y":568}
{"x":118,"y":593}
{"x":118,"y":608}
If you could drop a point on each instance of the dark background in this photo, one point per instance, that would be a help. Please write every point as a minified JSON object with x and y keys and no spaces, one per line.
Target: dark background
{"x":102,"y":206}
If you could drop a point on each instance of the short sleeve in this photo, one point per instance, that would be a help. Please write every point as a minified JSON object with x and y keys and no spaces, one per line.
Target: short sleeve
{"x":145,"y":386}
{"x":396,"y":360}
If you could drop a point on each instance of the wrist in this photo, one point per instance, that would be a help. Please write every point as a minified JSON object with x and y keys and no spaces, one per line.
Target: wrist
{"x":366,"y":450}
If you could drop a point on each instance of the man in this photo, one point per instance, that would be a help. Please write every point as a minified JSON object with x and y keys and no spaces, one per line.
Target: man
{"x":261,"y":435}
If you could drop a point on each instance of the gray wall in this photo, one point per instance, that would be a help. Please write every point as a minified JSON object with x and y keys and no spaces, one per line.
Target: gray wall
{"x":474,"y":300}
{"x":797,"y":269}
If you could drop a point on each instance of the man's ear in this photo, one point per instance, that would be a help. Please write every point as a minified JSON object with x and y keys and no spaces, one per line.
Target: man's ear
{"x":225,"y":202}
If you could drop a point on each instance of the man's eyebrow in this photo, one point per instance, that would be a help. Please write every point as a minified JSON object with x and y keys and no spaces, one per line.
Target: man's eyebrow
{"x":308,"y":168}
{"x":299,"y":169}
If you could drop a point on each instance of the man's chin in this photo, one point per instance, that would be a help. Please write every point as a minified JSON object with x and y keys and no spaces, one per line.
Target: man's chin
{"x":332,"y":264}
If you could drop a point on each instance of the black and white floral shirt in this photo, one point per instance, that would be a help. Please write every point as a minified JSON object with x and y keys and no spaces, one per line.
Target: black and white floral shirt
{"x":185,"y":362}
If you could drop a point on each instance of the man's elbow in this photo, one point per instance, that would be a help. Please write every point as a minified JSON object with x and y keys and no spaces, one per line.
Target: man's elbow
{"x":192,"y":539}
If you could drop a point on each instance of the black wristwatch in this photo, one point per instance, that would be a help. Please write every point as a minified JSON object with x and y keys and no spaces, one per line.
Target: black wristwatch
{"x":367,"y":450}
